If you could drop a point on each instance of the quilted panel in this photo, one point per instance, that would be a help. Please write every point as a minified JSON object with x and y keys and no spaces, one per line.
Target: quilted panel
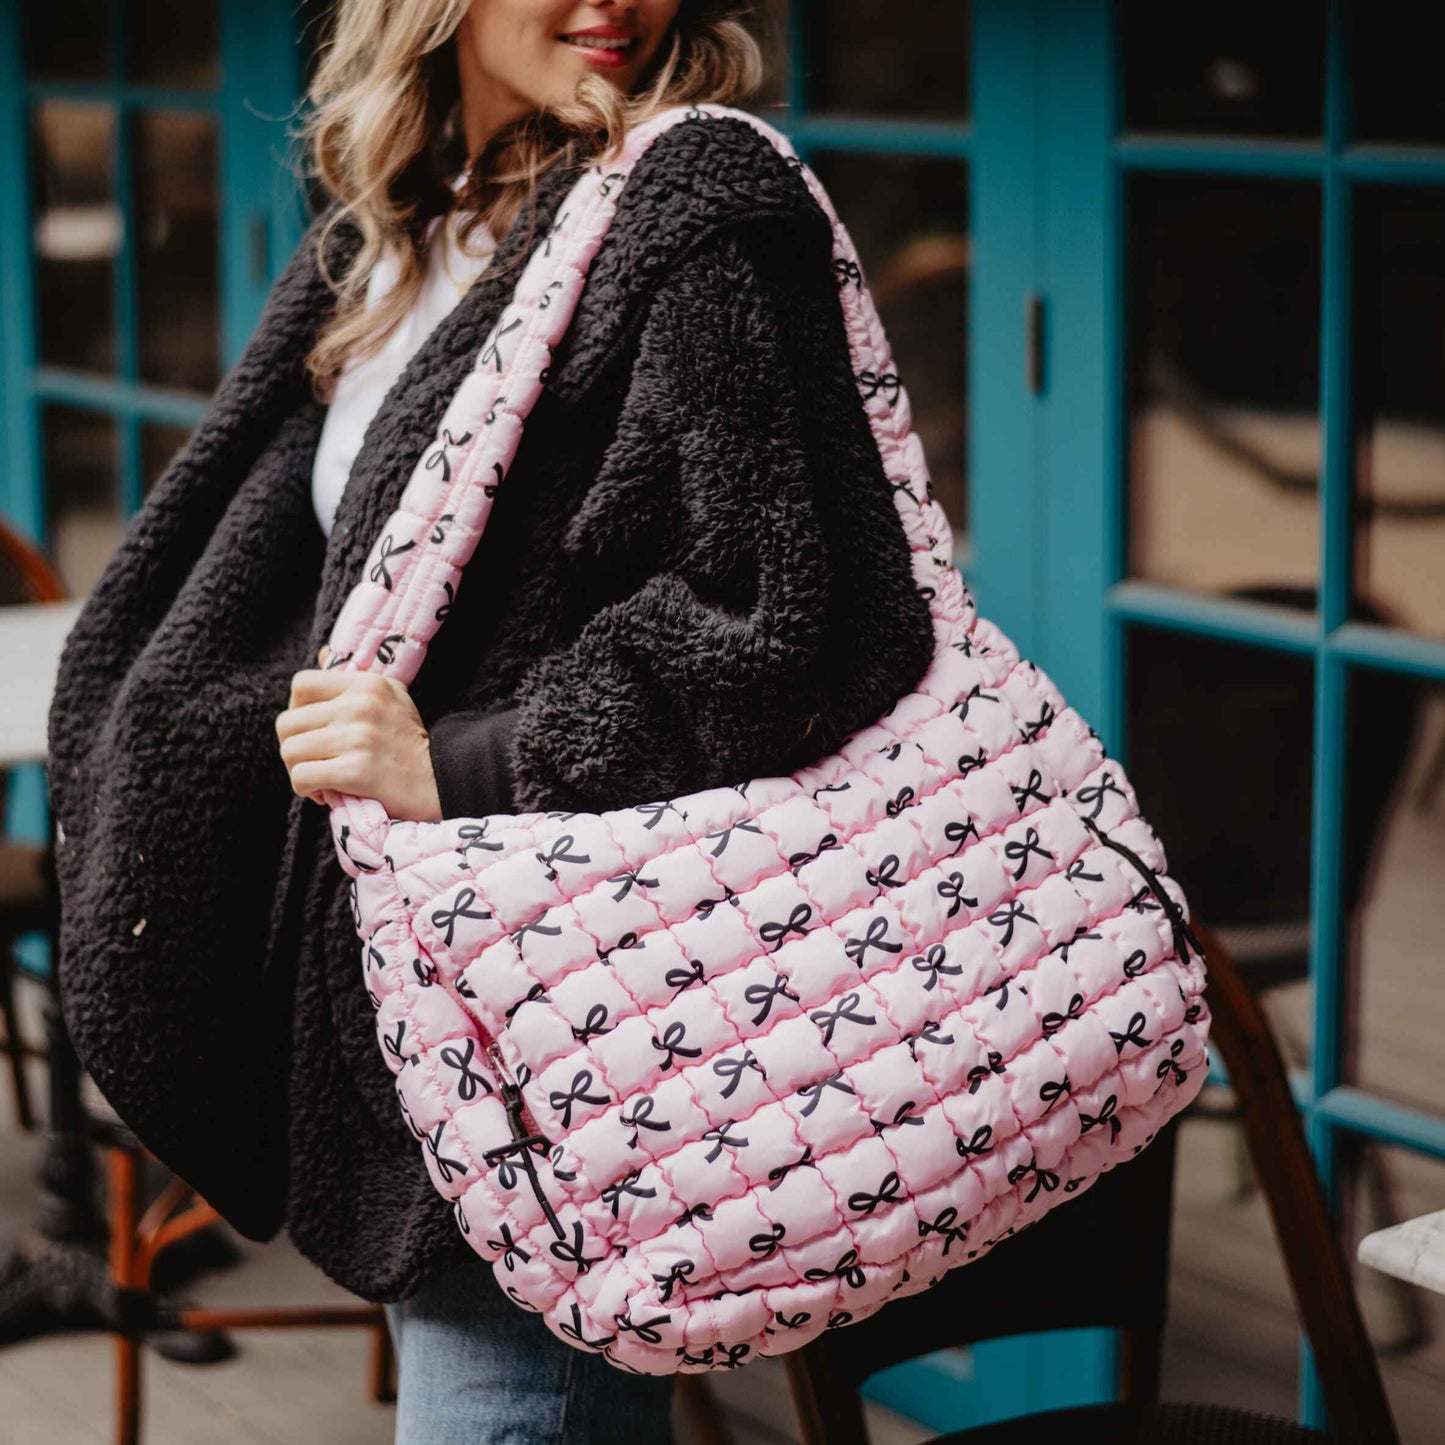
{"x":789,"y":1048}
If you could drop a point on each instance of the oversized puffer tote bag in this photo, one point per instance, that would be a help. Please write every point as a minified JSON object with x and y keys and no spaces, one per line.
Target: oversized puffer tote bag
{"x":706,"y":1076}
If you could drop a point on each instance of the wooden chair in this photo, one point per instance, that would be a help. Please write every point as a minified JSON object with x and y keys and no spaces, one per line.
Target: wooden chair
{"x":27,"y":896}
{"x":1103,"y":1261}
{"x":139,"y":1235}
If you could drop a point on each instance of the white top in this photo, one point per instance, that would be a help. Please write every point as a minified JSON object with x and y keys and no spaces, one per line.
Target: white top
{"x":362,"y":384}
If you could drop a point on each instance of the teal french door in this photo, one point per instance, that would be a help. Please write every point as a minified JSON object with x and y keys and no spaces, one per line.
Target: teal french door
{"x":143,"y":160}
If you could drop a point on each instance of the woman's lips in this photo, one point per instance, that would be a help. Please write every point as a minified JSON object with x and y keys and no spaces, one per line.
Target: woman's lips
{"x":610,"y":54}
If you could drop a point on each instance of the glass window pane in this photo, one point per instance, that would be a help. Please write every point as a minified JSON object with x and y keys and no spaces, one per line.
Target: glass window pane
{"x":1395,"y":837}
{"x":170,"y":44}
{"x":1233,"y":1336}
{"x":177,"y":249}
{"x":1399,"y":393}
{"x":78,"y":229}
{"x":1224,"y":436}
{"x":1231,"y":68}
{"x":158,"y":444}
{"x":67,"y":40}
{"x":912,"y":61}
{"x":82,"y":492}
{"x":909,"y":220}
{"x":1396,"y":92}
{"x":1220,"y":753}
{"x":1385,"y":1186}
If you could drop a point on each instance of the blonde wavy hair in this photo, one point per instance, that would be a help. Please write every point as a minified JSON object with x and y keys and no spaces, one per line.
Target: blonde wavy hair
{"x":383,"y":136}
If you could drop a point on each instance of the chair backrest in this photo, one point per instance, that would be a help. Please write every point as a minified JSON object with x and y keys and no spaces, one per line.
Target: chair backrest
{"x":1102,"y":1260}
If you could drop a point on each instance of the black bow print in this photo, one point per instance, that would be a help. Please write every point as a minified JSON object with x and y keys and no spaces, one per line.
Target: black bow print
{"x":570,"y":1252}
{"x":470,"y":1081}
{"x":902,"y":1115}
{"x":439,"y":457}
{"x":628,"y":940}
{"x":777,"y":933}
{"x":764,"y":995}
{"x":704,"y":906}
{"x":426,"y":973}
{"x":847,"y":1269}
{"x":1044,"y":1179}
{"x":790,"y":1322}
{"x":832,"y":788}
{"x":1033,"y":788}
{"x":1136,"y":963}
{"x":491,"y":354}
{"x":930,"y":1033}
{"x":558,"y":854}
{"x":798,"y":861}
{"x":1064,"y":949}
{"x":933,"y":963}
{"x":646,"y":1331}
{"x":961,"y":705}
{"x":978,"y":1075}
{"x":1019,"y":852}
{"x":386,"y":648}
{"x":899,"y":801}
{"x":678,"y":979}
{"x":804,"y":1161}
{"x":393,"y":1045}
{"x":1109,"y":1115}
{"x":1170,"y":1068}
{"x":947,"y":1226}
{"x":653,"y":812}
{"x":573,"y":1331}
{"x":563,"y":1101}
{"x":547,"y":930}
{"x":872,"y":382}
{"x":732,"y":1071}
{"x":474,"y":835}
{"x":886,"y":874}
{"x":677,"y":1275}
{"x":489,"y":489}
{"x":876,"y":936}
{"x":828,"y":1020}
{"x":1077,"y":871}
{"x":380,"y":572}
{"x":1053,"y":1022}
{"x":864,"y":1203}
{"x":565,"y":1175}
{"x":1134,"y":1034}
{"x":1005,"y":918}
{"x":971,"y":762}
{"x":958,"y":833}
{"x":980,"y":1144}
{"x":720,"y":1136}
{"x":594,"y":1025}
{"x":952,"y":887}
{"x":846,"y":271}
{"x":537,"y":992}
{"x":439,"y":528}
{"x":671,"y":1044}
{"x":641,"y":1118}
{"x":814,"y":1092}
{"x":693,"y":1211}
{"x":724,"y":835}
{"x":1097,"y":794}
{"x":511,"y":1250}
{"x":765,"y":1246}
{"x":611,"y":179}
{"x":1052,"y":1092}
{"x":612,"y":1194}
{"x":446,"y":918}
{"x":1032,"y":732}
{"x":445,"y":1166}
{"x":629,"y":880}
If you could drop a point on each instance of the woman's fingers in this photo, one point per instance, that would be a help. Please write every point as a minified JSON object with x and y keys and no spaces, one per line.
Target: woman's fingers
{"x":314,"y":684}
{"x":311,"y":744}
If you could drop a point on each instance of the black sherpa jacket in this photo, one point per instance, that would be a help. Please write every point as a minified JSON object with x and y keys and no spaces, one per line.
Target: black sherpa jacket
{"x":694,"y":574}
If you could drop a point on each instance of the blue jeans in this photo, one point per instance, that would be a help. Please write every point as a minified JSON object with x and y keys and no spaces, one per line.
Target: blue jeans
{"x":475,"y":1369}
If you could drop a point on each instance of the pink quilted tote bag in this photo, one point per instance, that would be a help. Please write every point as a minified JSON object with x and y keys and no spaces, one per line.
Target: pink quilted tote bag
{"x":706,"y":1076}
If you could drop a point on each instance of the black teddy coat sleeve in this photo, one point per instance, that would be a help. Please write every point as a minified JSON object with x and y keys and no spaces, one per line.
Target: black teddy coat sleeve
{"x":745,"y":488}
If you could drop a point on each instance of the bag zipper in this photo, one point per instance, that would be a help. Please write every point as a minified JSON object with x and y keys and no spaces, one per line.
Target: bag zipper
{"x":1184,"y":937}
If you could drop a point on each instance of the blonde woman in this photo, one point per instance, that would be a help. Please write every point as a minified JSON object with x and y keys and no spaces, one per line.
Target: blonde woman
{"x":694,"y":575}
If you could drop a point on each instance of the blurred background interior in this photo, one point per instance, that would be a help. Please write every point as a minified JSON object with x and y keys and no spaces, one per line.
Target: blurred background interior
{"x":1166,"y":285}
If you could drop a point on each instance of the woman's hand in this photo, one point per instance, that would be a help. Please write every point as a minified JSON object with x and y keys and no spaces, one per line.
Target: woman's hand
{"x":357,"y":733}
